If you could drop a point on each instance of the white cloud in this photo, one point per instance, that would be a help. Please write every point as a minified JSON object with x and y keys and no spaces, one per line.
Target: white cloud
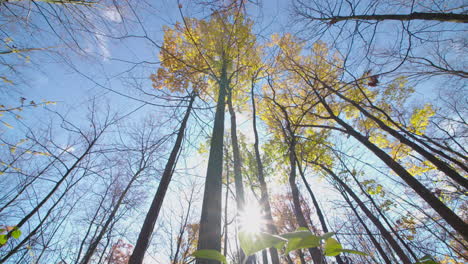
{"x":112,"y":15}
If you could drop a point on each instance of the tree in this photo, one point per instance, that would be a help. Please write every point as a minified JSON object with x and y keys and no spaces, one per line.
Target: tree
{"x":207,"y":54}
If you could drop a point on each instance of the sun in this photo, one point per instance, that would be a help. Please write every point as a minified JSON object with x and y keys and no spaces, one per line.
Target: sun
{"x":251,"y":219}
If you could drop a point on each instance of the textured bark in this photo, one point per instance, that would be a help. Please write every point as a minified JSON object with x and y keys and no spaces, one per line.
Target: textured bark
{"x":443,"y":17}
{"x":210,"y":221}
{"x":153,"y":212}
{"x":265,"y":198}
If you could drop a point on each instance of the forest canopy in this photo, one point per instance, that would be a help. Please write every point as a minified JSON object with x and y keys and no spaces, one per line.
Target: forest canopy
{"x":233,"y":131}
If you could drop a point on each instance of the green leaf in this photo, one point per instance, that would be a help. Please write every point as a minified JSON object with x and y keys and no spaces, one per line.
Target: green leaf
{"x":427,"y":259}
{"x":210,"y":254}
{"x":327,"y":235}
{"x":3,"y":239}
{"x":252,"y":243}
{"x":296,"y":234}
{"x":16,"y":233}
{"x":351,"y":251}
{"x":302,"y":229}
{"x":302,"y":238}
{"x":332,"y":247}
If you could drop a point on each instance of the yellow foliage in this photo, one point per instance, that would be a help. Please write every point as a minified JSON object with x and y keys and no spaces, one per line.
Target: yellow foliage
{"x":420,"y":119}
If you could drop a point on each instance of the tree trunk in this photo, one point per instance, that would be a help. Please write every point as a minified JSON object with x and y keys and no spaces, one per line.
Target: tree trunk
{"x":226,"y":196}
{"x":395,"y":246}
{"x":441,"y":165}
{"x":369,"y":233}
{"x":153,"y":212}
{"x":442,"y":17}
{"x":317,"y":256}
{"x":94,"y":244}
{"x":265,"y":199}
{"x":316,"y":205}
{"x":379,"y":211}
{"x":58,"y":184}
{"x":210,"y":221}
{"x":448,"y":215}
{"x":240,"y":200}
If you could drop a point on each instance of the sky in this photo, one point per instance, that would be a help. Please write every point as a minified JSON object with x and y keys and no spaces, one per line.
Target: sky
{"x":109,"y":68}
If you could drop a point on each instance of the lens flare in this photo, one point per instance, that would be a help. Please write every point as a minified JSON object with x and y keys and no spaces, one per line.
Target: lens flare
{"x":251,"y":219}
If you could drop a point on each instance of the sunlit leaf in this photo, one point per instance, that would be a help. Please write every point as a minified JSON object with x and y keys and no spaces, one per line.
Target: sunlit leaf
{"x":327,"y":235}
{"x":210,"y":254}
{"x":332,"y":247}
{"x":3,"y":239}
{"x":16,"y":233}
{"x":252,"y":243}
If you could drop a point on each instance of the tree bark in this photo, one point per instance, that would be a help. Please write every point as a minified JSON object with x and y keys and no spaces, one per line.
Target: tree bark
{"x":210,"y":221}
{"x":442,"y":17}
{"x":317,"y":256}
{"x":240,"y":200}
{"x":265,"y":198}
{"x":153,"y":212}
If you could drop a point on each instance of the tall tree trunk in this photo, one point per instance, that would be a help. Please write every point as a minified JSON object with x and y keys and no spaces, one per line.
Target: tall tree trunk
{"x":369,"y":233}
{"x":395,"y":246}
{"x":442,"y":17}
{"x":210,"y":221}
{"x":316,"y":205}
{"x":448,"y":215}
{"x":240,"y":199}
{"x":441,"y":165}
{"x":226,"y":196}
{"x":153,"y":212}
{"x":379,"y":211}
{"x":317,"y":256}
{"x":265,"y":199}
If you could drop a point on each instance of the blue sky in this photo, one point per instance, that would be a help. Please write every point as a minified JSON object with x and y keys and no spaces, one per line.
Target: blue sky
{"x":108,"y":65}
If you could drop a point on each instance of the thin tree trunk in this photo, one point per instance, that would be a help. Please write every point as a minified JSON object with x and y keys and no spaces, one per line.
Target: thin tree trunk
{"x":153,"y":212}
{"x":236,"y":156}
{"x":57,"y":185}
{"x":265,"y":199}
{"x":226,"y":196}
{"x":317,"y":256}
{"x":395,"y":246}
{"x":240,"y":199}
{"x":210,"y":221}
{"x":442,"y":17}
{"x":369,"y":233}
{"x":441,"y":165}
{"x":448,"y":215}
{"x":94,"y":244}
{"x":316,"y":205}
{"x":377,"y":208}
